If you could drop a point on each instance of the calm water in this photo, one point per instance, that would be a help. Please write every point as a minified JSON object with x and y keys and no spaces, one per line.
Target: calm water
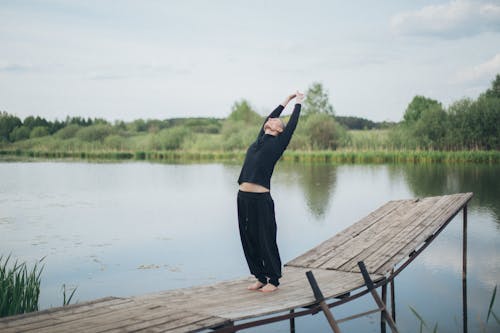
{"x":130,"y":228}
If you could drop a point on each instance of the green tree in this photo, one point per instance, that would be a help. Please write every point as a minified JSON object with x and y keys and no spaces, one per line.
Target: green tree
{"x":32,"y":122}
{"x":94,"y":133}
{"x":323,"y":131}
{"x":430,"y":129}
{"x":317,"y":100}
{"x":7,"y":124}
{"x":494,"y":91}
{"x":68,"y":132}
{"x":39,"y":131}
{"x":170,"y":138}
{"x":243,"y":111}
{"x":487,"y":122}
{"x":416,"y":107}
{"x":459,"y":132}
{"x":19,"y":133}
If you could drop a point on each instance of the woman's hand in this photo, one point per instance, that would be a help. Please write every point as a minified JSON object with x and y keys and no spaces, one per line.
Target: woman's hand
{"x":300,"y":97}
{"x":288,"y":99}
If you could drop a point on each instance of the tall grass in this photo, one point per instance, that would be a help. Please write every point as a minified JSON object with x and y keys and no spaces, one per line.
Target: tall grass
{"x":329,"y":156}
{"x":19,"y":287}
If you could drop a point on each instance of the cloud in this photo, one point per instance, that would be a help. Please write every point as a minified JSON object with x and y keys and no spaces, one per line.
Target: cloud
{"x":483,"y":71}
{"x":15,"y":67}
{"x":455,"y":19}
{"x":136,"y":71}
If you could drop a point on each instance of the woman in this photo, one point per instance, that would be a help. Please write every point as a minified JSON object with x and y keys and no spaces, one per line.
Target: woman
{"x":256,"y":218}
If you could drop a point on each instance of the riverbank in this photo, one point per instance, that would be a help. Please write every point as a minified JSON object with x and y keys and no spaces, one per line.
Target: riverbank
{"x":328,"y":156}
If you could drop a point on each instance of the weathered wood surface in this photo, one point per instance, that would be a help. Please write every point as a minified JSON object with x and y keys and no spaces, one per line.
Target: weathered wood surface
{"x":188,"y":309}
{"x":385,"y":237}
{"x":382,"y":240}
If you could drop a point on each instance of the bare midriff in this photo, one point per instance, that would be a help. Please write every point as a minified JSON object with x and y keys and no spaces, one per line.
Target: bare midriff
{"x":252,"y":187}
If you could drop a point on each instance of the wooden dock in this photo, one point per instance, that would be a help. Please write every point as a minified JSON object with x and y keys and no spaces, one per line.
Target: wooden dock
{"x":385,"y":242}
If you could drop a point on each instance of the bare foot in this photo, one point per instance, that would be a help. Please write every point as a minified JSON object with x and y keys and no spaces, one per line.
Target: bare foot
{"x":269,"y":288}
{"x":255,"y":286}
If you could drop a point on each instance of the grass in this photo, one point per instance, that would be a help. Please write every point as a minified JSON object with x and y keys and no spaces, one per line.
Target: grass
{"x":19,"y":287}
{"x":331,"y":156}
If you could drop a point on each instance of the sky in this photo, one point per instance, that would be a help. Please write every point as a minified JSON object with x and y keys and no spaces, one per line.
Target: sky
{"x":124,"y":60}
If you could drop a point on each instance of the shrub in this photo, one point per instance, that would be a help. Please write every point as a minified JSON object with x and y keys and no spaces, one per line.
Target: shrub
{"x":169,"y":139}
{"x":39,"y":131}
{"x":68,"y":132}
{"x":19,"y":133}
{"x":114,"y":142}
{"x":94,"y":133}
{"x":323,"y":131}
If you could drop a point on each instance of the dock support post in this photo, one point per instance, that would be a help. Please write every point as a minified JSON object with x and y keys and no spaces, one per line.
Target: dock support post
{"x":393,"y":298}
{"x":292,"y":322}
{"x":464,"y":269}
{"x":381,"y":305}
{"x":321,"y":300}
{"x":384,"y":299}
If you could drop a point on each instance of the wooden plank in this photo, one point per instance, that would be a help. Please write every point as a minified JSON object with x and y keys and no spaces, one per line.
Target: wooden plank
{"x":321,"y":253}
{"x":88,"y":322}
{"x":360,"y":245}
{"x":54,"y":315}
{"x":402,"y":227}
{"x":459,"y":202}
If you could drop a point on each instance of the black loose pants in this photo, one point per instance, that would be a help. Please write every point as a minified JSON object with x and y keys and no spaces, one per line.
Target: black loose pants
{"x":257,"y":225}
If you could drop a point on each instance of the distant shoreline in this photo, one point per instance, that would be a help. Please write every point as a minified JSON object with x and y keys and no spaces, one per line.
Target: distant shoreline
{"x":320,"y":156}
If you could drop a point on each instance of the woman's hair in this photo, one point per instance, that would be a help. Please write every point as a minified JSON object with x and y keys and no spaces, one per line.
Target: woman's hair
{"x":282,"y":123}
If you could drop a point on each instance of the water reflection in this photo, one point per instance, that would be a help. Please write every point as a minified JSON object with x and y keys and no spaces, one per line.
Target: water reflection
{"x":317,"y":182}
{"x":428,"y":180}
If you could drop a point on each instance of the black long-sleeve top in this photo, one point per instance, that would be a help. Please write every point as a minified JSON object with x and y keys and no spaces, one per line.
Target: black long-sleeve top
{"x":264,"y":152}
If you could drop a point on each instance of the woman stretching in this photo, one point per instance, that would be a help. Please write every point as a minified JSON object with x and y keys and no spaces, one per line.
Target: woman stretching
{"x":256,"y":219}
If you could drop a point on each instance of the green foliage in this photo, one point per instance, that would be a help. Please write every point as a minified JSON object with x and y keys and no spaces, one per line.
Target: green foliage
{"x":494,"y":91}
{"x":32,"y":122}
{"x":242,"y":111}
{"x":94,"y":133}
{"x":66,"y":299}
{"x":368,"y":139}
{"x":317,"y":101}
{"x":68,"y":132}
{"x":169,"y":139}
{"x":465,"y":125}
{"x":323,"y":131}
{"x":20,"y":133}
{"x":114,"y":141}
{"x":238,"y":135}
{"x":418,"y":105}
{"x":19,"y":287}
{"x":204,"y":125}
{"x":7,"y":124}
{"x":430,"y":128}
{"x":358,"y":123}
{"x":39,"y":131}
{"x":139,"y":125}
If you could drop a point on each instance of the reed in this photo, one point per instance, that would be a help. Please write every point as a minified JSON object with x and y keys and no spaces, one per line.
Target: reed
{"x":19,"y":287}
{"x":309,"y":156}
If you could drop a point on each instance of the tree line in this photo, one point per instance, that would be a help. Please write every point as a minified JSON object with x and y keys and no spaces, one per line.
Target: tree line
{"x":466,"y":124}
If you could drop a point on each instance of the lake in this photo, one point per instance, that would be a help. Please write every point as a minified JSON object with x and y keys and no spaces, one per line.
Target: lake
{"x":121,"y":229}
